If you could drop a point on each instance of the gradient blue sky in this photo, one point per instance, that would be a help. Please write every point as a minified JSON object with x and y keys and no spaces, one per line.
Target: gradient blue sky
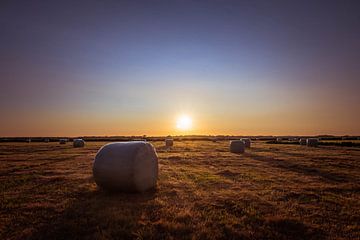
{"x":131,"y":67}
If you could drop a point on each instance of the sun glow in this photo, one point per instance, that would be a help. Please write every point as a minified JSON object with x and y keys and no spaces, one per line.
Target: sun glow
{"x":184,"y":123}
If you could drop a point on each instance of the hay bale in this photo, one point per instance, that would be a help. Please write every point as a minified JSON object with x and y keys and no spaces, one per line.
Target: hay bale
{"x":312,"y":142}
{"x":62,"y":141}
{"x":169,"y":142}
{"x":302,"y":141}
{"x":237,"y":146}
{"x":247,"y":142}
{"x":78,"y":143}
{"x":126,"y":166}
{"x":279,"y":140}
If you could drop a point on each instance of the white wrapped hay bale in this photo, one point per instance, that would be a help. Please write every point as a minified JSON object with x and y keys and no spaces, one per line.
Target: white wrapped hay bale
{"x":246,"y":141}
{"x":237,"y":146}
{"x":78,"y":143}
{"x":169,"y":142}
{"x":62,"y":141}
{"x":312,"y":142}
{"x":126,"y":166}
{"x":302,"y":141}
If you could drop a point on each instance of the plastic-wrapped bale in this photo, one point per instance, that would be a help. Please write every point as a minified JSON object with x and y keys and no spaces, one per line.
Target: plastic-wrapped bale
{"x":312,"y":142}
{"x":62,"y":141}
{"x":169,"y":142}
{"x":126,"y":167}
{"x":78,"y":143}
{"x":302,"y":141}
{"x":246,"y":141}
{"x":237,"y":146}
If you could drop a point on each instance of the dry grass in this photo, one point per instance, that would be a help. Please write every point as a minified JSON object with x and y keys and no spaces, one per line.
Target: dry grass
{"x":204,"y":192}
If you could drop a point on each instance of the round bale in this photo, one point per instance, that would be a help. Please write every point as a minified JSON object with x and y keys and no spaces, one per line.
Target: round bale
{"x":78,"y":143}
{"x":279,"y":140}
{"x":126,"y":166}
{"x":237,"y":146}
{"x":312,"y":142}
{"x":169,"y":142}
{"x":246,"y":141}
{"x":302,"y":141}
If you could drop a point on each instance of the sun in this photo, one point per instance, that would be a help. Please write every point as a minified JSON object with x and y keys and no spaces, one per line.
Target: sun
{"x":184,"y":123}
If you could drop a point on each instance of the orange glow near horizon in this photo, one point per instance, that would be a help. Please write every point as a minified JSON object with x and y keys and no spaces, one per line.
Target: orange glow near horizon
{"x":163,"y":123}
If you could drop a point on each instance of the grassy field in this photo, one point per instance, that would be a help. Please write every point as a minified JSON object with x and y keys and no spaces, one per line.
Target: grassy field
{"x":204,"y":192}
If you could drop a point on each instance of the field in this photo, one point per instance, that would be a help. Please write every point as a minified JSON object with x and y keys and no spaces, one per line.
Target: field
{"x":203,"y":192}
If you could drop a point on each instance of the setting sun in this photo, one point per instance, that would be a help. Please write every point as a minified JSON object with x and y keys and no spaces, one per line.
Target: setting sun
{"x":184,"y":123}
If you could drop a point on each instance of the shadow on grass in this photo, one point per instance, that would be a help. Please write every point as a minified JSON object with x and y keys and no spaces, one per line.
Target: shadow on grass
{"x":99,"y":214}
{"x":102,"y":215}
{"x":298,"y":168}
{"x":259,"y":220}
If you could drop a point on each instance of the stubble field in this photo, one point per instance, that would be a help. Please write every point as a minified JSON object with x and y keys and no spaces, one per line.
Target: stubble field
{"x":203,"y":192}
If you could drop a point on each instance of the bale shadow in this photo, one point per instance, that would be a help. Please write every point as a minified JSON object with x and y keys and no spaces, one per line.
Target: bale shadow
{"x":99,"y":214}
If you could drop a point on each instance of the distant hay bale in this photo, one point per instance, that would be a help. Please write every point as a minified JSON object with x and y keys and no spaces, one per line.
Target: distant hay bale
{"x":247,"y":142}
{"x":78,"y":143}
{"x":302,"y":141}
{"x":126,"y":166}
{"x":312,"y":142}
{"x":279,"y":140}
{"x":169,"y":142}
{"x":46,"y":140}
{"x":62,"y":141}
{"x":237,"y":146}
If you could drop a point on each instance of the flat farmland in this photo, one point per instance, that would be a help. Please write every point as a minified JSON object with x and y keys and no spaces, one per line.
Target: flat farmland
{"x":203,"y":192}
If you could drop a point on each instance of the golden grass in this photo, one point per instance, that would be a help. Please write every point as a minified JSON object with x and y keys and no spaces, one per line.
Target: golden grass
{"x":204,"y":192}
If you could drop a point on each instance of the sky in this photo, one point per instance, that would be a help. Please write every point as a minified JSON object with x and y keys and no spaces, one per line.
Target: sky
{"x":80,"y":68}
